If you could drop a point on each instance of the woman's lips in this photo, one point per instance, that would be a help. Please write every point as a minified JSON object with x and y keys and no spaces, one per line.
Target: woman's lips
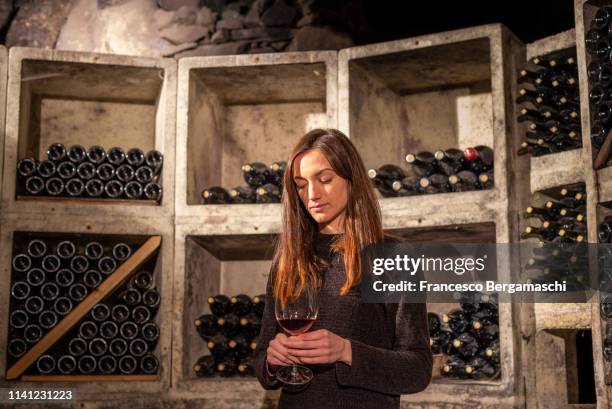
{"x":318,"y":208}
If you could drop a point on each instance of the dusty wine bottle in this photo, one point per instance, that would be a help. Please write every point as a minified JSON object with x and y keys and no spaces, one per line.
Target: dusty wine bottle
{"x":115,"y":156}
{"x":76,"y":154}
{"x":35,"y":277}
{"x":128,"y":330}
{"x":127,"y":364}
{"x":133,"y":190}
{"x":423,"y":163}
{"x":64,"y":278}
{"x":144,"y":174}
{"x":153,"y":191}
{"x":118,"y":347}
{"x":120,"y":313}
{"x":114,"y":189}
{"x":255,"y":174}
{"x":74,"y":187}
{"x":77,"y":347}
{"x":135,"y":157}
{"x":276,"y":173}
{"x":125,"y":173}
{"x":268,"y":193}
{"x":154,"y":160}
{"x":105,"y":172}
{"x":46,"y":169}
{"x":86,"y":170}
{"x":94,"y":188}
{"x":107,"y":364}
{"x":138,"y":347}
{"x":45,"y":364}
{"x":107,"y":265}
{"x":26,"y":167}
{"x":66,"y":170}
{"x":54,"y":186}
{"x":456,"y":320}
{"x":205,"y":366}
{"x":96,"y":154}
{"x":87,"y":364}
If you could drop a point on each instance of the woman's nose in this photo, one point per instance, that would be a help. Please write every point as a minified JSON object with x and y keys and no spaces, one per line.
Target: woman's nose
{"x":313,"y":191}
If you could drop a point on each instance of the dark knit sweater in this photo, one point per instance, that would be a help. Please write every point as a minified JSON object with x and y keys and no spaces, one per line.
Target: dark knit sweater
{"x":390,"y":347}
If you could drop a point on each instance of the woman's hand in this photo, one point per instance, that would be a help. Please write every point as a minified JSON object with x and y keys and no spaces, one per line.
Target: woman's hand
{"x":319,"y":347}
{"x":277,"y":354}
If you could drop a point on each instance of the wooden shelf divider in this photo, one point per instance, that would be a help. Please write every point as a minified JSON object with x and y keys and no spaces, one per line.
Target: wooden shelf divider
{"x":137,"y":259}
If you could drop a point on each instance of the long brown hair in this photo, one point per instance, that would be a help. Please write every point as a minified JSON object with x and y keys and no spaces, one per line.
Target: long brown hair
{"x":295,"y":259}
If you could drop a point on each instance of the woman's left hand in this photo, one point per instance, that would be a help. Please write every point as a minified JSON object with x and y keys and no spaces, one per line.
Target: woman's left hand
{"x":319,"y":347}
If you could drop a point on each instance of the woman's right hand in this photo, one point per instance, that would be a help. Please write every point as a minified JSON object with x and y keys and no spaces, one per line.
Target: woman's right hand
{"x":277,"y":354}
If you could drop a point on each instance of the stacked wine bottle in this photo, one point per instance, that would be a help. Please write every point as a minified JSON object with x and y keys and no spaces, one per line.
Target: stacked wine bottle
{"x":50,"y":276}
{"x":605,"y":274}
{"x":550,"y":104}
{"x":599,"y":73}
{"x":263,"y":185}
{"x":469,"y":336}
{"x":562,"y":227}
{"x":450,"y":170}
{"x":92,"y":173}
{"x":230,"y":332}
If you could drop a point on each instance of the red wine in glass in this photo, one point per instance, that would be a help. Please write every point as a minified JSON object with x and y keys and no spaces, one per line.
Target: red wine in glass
{"x":295,"y":326}
{"x":297,"y":316}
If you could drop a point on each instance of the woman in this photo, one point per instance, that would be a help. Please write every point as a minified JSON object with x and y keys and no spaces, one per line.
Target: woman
{"x":362,"y":355}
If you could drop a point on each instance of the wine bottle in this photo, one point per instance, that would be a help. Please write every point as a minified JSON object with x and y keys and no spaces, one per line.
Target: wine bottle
{"x":114,"y":189}
{"x":135,"y":157}
{"x":240,"y":345}
{"x":206,"y":325}
{"x":143,"y":280}
{"x":17,"y":347}
{"x":65,"y":249}
{"x":149,"y":364}
{"x":118,"y":347}
{"x":538,"y":233}
{"x":154,"y":160}
{"x":116,"y":156}
{"x":144,"y":174}
{"x":491,"y":352}
{"x":150,"y":333}
{"x":409,"y":186}
{"x":277,"y":172}
{"x":218,"y":345}
{"x":77,"y":346}
{"x":449,"y":161}
{"x":604,"y":233}
{"x":20,"y":290}
{"x":466,"y":345}
{"x":87,"y":364}
{"x":479,"y":368}
{"x":133,"y":190}
{"x":54,"y":186}
{"x":426,"y":187}
{"x":229,"y":324}
{"x":131,"y":296}
{"x":47,"y":319}
{"x":153,"y":191}
{"x":22,"y":263}
{"x":77,"y":292}
{"x":19,"y":319}
{"x":66,"y":170}
{"x":127,"y":365}
{"x":243,"y":194}
{"x":76,"y":154}
{"x":35,"y":277}
{"x":45,"y":364}
{"x":268,"y":193}
{"x":485,"y":180}
{"x":219,"y":304}
{"x":250,"y":324}
{"x":439,"y":181}
{"x":454,"y":367}
{"x":79,"y":264}
{"x":456,"y":320}
{"x":107,"y":364}
{"x":34,"y":305}
{"x":138,"y":347}
{"x":422,"y":164}
{"x":434,"y":323}
{"x":96,"y":154}
{"x":125,"y":173}
{"x":141,"y":314}
{"x":216,"y":195}
{"x":485,"y":330}
{"x":108,"y":330}
{"x":107,"y":265}
{"x":120,"y":313}
{"x":463,"y":181}
{"x":601,"y":20}
{"x":478,"y":158}
{"x":49,"y":291}
{"x":255,"y":174}
{"x":26,"y":167}
{"x":241,"y":304}
{"x":259,"y":303}
{"x":88,"y":330}
{"x":227,"y":367}
{"x":74,"y":187}
{"x":387,"y":172}
{"x":245,"y":367}
{"x":128,"y":330}
{"x":46,"y":169}
{"x":205,"y":366}
{"x":34,"y":185}
{"x":32,"y":333}
{"x":100,"y":312}
{"x":442,"y":342}
{"x":121,"y":252}
{"x":105,"y":172}
{"x":86,"y":170}
{"x":94,"y":188}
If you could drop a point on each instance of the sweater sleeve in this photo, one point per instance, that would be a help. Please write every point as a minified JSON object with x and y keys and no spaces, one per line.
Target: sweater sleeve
{"x":266,"y":334}
{"x":404,"y":369}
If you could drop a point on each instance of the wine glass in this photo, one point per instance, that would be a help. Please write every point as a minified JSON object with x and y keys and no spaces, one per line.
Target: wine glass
{"x":296,"y":316}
